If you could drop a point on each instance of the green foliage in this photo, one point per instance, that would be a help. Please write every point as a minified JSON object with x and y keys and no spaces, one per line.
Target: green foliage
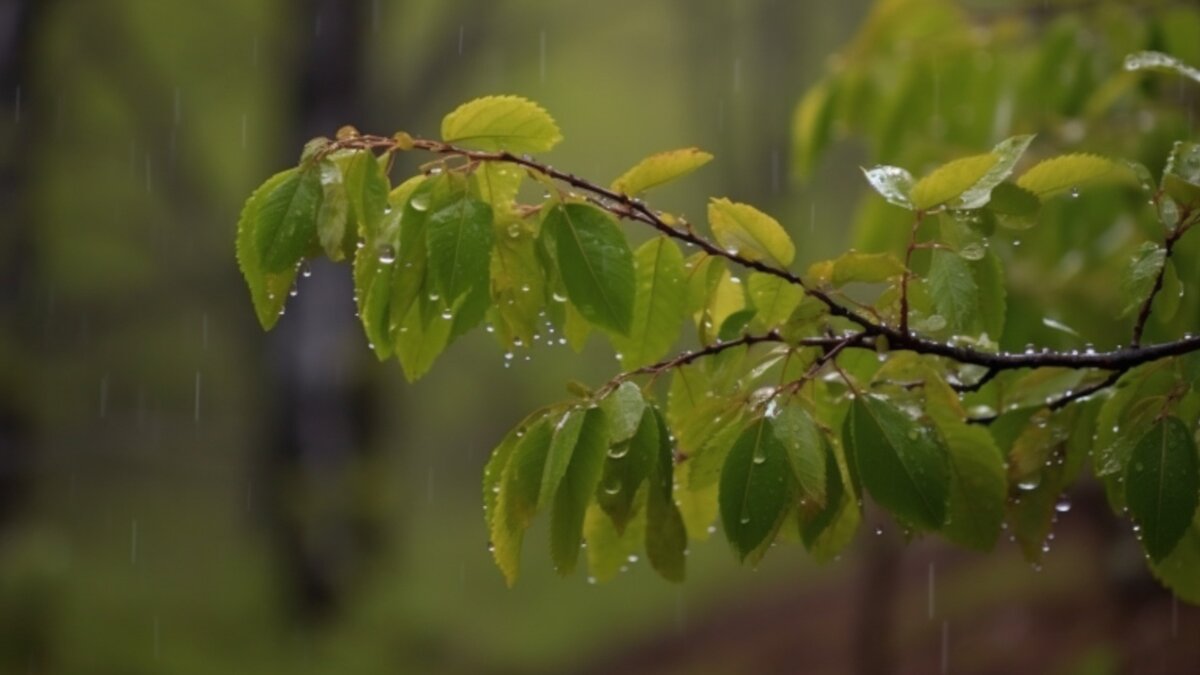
{"x":886,"y":373}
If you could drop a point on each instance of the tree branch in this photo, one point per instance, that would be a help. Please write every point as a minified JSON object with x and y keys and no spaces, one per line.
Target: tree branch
{"x":1168,"y":246}
{"x":626,"y":207}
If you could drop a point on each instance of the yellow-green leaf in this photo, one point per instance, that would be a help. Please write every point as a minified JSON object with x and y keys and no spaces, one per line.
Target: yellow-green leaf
{"x":951,"y":180}
{"x":660,"y":168}
{"x":750,"y":232}
{"x":501,"y":123}
{"x":1070,"y":172}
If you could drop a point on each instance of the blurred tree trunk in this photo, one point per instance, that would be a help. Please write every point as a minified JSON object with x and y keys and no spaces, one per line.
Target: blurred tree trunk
{"x":19,"y":24}
{"x":320,"y":435}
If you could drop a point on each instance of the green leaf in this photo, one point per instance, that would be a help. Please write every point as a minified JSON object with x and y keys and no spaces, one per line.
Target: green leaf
{"x":334,"y":228}
{"x":756,"y":486}
{"x":626,"y":468}
{"x":1008,"y":152}
{"x":660,"y":168}
{"x":562,"y":448}
{"x":517,"y":498}
{"x":1170,"y":297}
{"x":826,"y":532}
{"x":806,"y":452}
{"x":697,"y":505}
{"x":624,"y":407}
{"x":993,"y":298}
{"x":1183,"y":162}
{"x":750,"y":232}
{"x":459,"y":240}
{"x":1186,"y":194}
{"x":950,"y":181}
{"x":867,"y":268}
{"x":576,"y":490}
{"x":952,"y":286}
{"x":286,"y":220}
{"x":367,"y":190}
{"x":501,"y":123}
{"x":658,"y":305}
{"x":893,"y":183}
{"x":518,"y":284}
{"x":497,"y":184}
{"x":422,"y":335}
{"x":1141,"y":275}
{"x":975,"y":510}
{"x":899,"y":462}
{"x":268,"y":291}
{"x":1162,"y":485}
{"x":666,"y":534}
{"x":609,"y":548}
{"x":774,"y":299}
{"x":596,"y":264}
{"x":1178,"y":570}
{"x":1014,"y":206}
{"x":1070,"y":172}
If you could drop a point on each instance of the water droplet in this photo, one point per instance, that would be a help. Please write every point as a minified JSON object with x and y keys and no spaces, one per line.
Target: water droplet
{"x":447,"y":314}
{"x":1063,"y":505}
{"x":1074,"y":192}
{"x":619,"y":450}
{"x":387,"y":254}
{"x":419,"y":201}
{"x":1030,"y":482}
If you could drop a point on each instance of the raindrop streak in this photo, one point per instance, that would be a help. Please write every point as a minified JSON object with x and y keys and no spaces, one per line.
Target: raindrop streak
{"x":133,"y":542}
{"x":204,"y":331}
{"x":156,"y":640}
{"x":460,"y":39}
{"x":374,"y":16}
{"x":737,"y":75}
{"x":17,"y":106}
{"x":104,"y":396}
{"x":243,"y":131}
{"x":932,"y":579}
{"x":1174,"y":616}
{"x":429,"y":486}
{"x":196,"y":406}
{"x":147,"y":173}
{"x":945,"y":647}
{"x":178,"y":107}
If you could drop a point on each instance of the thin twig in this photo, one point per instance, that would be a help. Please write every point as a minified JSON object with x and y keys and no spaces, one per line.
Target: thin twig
{"x":1139,"y":326}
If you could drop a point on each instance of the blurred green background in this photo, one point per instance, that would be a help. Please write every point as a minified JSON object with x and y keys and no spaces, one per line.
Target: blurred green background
{"x":181,"y":493}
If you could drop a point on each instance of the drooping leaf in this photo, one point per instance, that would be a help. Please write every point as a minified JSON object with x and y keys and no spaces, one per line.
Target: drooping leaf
{"x":899,"y":462}
{"x":334,"y":227}
{"x":658,"y":305}
{"x":893,"y":183}
{"x":625,"y":469}
{"x":660,"y":168}
{"x":268,"y":291}
{"x":576,"y":490}
{"x":856,"y":267}
{"x":518,"y":284}
{"x":501,"y":123}
{"x":750,"y":232}
{"x":1178,"y":570}
{"x":624,"y":407}
{"x":826,"y":532}
{"x":609,"y":548}
{"x":516,"y":498}
{"x":1014,"y":206}
{"x":666,"y":535}
{"x":459,"y":240}
{"x":286,"y":220}
{"x":367,"y":191}
{"x":1162,"y":486}
{"x":596,"y":264}
{"x":806,"y":452}
{"x":562,"y":448}
{"x":756,"y":485}
{"x":1070,"y":173}
{"x":975,"y":509}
